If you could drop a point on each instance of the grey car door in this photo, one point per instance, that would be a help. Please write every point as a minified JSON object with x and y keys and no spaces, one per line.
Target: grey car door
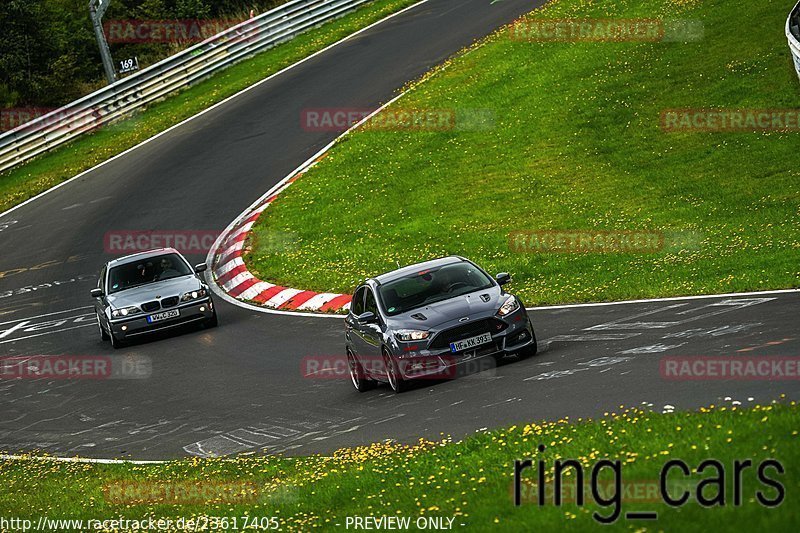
{"x":371,"y":333}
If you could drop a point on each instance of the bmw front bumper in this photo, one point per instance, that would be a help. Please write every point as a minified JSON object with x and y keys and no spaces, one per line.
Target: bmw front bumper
{"x":195,"y":311}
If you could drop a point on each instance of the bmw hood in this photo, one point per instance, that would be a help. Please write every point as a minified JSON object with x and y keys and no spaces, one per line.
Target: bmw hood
{"x":430,"y":316}
{"x":146,"y":293}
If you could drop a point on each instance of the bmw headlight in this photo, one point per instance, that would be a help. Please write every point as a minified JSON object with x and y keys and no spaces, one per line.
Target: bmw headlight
{"x":125,"y":311}
{"x":509,"y":306}
{"x":411,"y":335}
{"x":193,"y":295}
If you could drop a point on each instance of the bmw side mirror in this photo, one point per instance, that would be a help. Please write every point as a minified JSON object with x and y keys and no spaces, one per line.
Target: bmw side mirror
{"x":367,"y":318}
{"x":503,"y":278}
{"x":97,"y":293}
{"x":202,"y":267}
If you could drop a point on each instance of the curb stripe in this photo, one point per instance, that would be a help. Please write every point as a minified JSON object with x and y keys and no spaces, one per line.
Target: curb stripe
{"x":299,"y":299}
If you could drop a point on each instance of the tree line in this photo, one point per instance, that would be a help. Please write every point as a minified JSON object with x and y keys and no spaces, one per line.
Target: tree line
{"x":49,"y":55}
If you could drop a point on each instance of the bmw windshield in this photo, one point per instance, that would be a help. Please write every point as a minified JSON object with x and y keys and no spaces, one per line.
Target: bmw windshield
{"x":144,"y":271}
{"x":432,"y":285}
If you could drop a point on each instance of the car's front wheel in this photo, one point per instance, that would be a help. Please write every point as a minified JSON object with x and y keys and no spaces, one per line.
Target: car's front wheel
{"x":393,"y":375}
{"x":115,"y":342}
{"x":103,"y":334}
{"x":531,"y":349}
{"x":357,"y":374}
{"x":211,"y":322}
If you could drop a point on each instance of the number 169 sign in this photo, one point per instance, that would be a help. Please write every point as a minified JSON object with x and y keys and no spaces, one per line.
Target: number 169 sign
{"x":128,"y":65}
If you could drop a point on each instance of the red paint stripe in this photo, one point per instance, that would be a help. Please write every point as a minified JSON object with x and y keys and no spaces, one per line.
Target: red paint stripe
{"x":252,"y":218}
{"x":243,"y":286}
{"x":230,"y":257}
{"x":298,"y":299}
{"x":269,"y":293}
{"x":295,"y":177}
{"x":225,"y":278}
{"x":337,"y":303}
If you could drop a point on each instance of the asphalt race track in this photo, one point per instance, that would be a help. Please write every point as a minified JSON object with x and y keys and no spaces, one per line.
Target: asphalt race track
{"x":244,"y":387}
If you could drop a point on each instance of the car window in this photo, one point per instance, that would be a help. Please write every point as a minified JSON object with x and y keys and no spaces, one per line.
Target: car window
{"x":358,"y":301}
{"x":148,"y":270}
{"x":370,"y":306}
{"x":432,"y":285}
{"x":102,"y":278}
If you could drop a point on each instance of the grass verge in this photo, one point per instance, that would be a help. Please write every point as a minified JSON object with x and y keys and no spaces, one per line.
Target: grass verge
{"x":26,"y":181}
{"x":469,"y":481}
{"x":574,"y":144}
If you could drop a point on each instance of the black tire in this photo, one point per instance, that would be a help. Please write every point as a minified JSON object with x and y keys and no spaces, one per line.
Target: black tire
{"x":115,"y":342}
{"x":103,"y":334}
{"x":531,"y":349}
{"x":396,"y":381}
{"x":211,"y":322}
{"x":357,"y":377}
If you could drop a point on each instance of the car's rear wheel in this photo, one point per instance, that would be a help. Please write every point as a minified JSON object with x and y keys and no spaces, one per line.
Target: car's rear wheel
{"x":103,"y":334}
{"x":393,"y":376}
{"x":357,"y":374}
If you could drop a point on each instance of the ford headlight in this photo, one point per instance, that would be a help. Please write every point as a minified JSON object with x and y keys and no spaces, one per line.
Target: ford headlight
{"x":193,"y":295}
{"x":407,"y":335}
{"x":509,"y":306}
{"x":125,"y":311}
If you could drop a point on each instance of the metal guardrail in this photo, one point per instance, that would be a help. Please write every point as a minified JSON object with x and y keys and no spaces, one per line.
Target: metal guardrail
{"x":169,"y":75}
{"x":793,"y":34}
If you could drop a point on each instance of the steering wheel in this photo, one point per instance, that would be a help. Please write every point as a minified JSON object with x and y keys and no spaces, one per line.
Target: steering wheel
{"x":457,"y":284}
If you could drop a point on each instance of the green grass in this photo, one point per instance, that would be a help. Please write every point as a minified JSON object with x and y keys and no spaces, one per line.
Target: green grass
{"x":26,"y":181}
{"x":470,"y":480}
{"x":576,"y":145}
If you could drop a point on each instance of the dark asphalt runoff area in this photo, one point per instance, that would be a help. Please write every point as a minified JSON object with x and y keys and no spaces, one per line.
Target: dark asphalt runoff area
{"x":245,"y":386}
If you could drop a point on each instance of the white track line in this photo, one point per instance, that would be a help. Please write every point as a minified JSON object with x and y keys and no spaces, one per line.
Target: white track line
{"x":670,"y":299}
{"x":226,"y":100}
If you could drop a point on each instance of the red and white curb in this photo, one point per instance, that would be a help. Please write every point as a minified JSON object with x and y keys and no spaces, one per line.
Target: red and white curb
{"x":232,"y":276}
{"x":239,"y":286}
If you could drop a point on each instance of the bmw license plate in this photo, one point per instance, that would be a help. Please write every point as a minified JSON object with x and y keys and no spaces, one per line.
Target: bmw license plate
{"x":472,"y":342}
{"x":163,"y":316}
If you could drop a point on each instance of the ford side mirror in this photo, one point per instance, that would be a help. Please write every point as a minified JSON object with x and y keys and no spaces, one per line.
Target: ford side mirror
{"x":97,"y":293}
{"x":503,"y":278}
{"x":202,"y":267}
{"x":367,"y":318}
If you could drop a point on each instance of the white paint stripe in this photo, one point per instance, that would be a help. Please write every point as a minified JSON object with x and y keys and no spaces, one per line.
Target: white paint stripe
{"x":47,"y":314}
{"x":318,"y":301}
{"x":282,"y":297}
{"x":232,"y":249}
{"x":76,"y":460}
{"x":236,"y":280}
{"x":230,"y":265}
{"x":48,"y":332}
{"x":671,"y":299}
{"x":243,"y":229}
{"x":218,"y":104}
{"x":255,"y":290}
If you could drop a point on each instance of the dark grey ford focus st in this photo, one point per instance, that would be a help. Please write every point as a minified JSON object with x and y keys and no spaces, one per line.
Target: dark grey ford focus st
{"x":424,"y":320}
